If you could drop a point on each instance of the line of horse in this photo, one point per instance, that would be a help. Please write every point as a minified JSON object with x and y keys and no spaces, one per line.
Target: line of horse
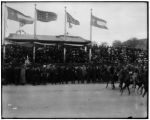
{"x":129,"y":77}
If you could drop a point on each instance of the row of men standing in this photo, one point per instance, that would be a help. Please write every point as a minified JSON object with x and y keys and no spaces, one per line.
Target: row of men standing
{"x":55,"y":74}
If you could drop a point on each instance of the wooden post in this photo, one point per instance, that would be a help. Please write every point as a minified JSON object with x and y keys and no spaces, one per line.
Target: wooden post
{"x":64,"y":54}
{"x":90,"y":54}
{"x":85,"y":48}
{"x":33,"y":52}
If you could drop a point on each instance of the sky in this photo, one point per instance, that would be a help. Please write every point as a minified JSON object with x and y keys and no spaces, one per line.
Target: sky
{"x":125,"y":20}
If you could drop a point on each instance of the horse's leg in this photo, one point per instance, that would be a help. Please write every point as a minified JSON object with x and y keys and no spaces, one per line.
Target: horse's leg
{"x":141,"y":89}
{"x":113,"y":85}
{"x":120,"y":85}
{"x":134,"y":87}
{"x":128,"y":89}
{"x":123,"y":88}
{"x":145,"y":89}
{"x":144,"y":93}
{"x":107,"y":84}
{"x":135,"y":83}
{"x":138,"y":89}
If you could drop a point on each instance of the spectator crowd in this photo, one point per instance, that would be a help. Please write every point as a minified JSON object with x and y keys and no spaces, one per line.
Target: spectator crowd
{"x":48,"y":67}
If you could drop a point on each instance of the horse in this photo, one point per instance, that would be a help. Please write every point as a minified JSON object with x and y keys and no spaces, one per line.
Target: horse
{"x":145,"y":83}
{"x":111,"y":76}
{"x":142,"y":82}
{"x":134,"y":78}
{"x":124,"y":78}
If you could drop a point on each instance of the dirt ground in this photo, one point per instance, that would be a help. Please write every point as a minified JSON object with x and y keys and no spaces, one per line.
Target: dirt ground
{"x":71,"y":101}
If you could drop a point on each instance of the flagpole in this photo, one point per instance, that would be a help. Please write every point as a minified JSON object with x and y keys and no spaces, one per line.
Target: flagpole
{"x":91,"y":27}
{"x":90,"y":51}
{"x":65,"y":36}
{"x":65,"y":24}
{"x":4,"y":21}
{"x":35,"y":17}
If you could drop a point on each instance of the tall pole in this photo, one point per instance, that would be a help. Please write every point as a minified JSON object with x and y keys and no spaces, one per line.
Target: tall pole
{"x":91,"y":27}
{"x":65,"y":24}
{"x":35,"y":17}
{"x":90,"y":54}
{"x":33,"y":53}
{"x":90,"y":51}
{"x":64,"y":54}
{"x":65,"y":36}
{"x":4,"y":32}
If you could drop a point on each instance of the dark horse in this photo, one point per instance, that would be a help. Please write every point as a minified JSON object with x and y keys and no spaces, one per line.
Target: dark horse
{"x":124,"y":78}
{"x":145,"y":82}
{"x":111,"y":76}
{"x":142,"y":82}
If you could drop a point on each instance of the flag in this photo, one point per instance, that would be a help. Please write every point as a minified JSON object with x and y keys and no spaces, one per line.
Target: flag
{"x":45,"y":16}
{"x":15,"y":15}
{"x":97,"y":22}
{"x":71,"y":20}
{"x":70,"y":26}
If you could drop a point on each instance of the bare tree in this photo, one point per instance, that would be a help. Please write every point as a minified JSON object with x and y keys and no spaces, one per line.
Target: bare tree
{"x":117,"y":43}
{"x":104,"y":44}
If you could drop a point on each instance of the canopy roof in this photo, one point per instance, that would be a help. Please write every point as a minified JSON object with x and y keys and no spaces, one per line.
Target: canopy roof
{"x":47,"y":39}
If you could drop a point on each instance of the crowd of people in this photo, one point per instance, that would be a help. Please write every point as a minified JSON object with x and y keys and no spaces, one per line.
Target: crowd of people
{"x":16,"y":54}
{"x":103,"y":54}
{"x":49,"y":66}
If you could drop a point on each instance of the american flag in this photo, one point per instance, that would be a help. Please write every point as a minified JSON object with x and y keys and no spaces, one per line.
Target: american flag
{"x":71,"y":20}
{"x":45,"y":16}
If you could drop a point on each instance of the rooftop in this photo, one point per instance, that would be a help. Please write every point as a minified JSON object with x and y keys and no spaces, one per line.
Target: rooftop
{"x":47,"y":39}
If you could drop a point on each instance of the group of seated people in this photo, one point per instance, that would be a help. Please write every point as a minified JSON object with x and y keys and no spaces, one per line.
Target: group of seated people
{"x":104,"y":54}
{"x":16,"y":54}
